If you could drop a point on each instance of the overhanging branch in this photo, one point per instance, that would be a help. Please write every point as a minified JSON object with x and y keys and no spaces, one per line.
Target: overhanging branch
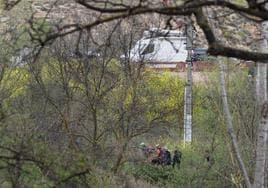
{"x":251,"y":10}
{"x":216,"y":48}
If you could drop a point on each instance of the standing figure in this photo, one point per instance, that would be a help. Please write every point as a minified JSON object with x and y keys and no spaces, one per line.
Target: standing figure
{"x":166,"y":157}
{"x":158,"y":159}
{"x":177,"y":158}
{"x":145,"y":150}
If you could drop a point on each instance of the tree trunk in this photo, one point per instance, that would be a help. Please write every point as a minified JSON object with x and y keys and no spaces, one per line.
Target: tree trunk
{"x":119,"y":158}
{"x":261,"y":158}
{"x":261,"y":82}
{"x":260,"y":180}
{"x":231,"y":129}
{"x":95,"y":130}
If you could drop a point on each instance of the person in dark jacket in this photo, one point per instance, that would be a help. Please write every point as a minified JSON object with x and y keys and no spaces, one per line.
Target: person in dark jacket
{"x":167,"y":157}
{"x":176,"y":158}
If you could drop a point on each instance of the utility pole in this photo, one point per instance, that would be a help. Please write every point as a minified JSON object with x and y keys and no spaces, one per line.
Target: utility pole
{"x":188,"y":88}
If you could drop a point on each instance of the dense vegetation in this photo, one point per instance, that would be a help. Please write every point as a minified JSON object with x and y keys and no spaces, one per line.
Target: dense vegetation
{"x":71,"y":122}
{"x":73,"y":112}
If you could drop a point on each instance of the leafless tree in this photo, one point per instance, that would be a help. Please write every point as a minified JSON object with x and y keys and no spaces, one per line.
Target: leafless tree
{"x":112,"y":11}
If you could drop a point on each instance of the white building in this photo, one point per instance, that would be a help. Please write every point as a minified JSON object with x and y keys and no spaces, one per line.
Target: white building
{"x":160,"y":49}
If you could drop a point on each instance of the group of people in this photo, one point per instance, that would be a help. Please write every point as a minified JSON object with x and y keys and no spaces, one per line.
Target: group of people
{"x":163,"y":155}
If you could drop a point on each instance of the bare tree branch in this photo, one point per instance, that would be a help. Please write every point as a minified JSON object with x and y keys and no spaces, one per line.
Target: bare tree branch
{"x":230,"y":128}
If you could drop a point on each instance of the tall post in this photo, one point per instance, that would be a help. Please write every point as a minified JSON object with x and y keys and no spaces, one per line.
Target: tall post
{"x":188,"y":88}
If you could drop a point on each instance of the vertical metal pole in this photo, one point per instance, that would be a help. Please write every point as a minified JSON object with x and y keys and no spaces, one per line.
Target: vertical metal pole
{"x":188,"y":88}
